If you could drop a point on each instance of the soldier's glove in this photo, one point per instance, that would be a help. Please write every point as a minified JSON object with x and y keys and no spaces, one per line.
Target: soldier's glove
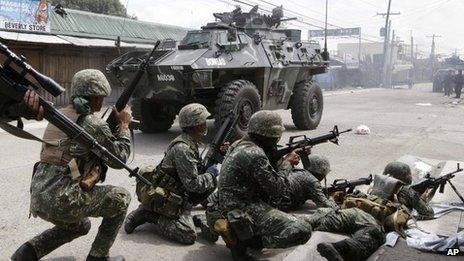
{"x":213,"y":171}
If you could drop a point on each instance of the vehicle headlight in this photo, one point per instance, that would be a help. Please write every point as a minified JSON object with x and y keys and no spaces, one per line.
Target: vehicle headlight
{"x":202,"y":79}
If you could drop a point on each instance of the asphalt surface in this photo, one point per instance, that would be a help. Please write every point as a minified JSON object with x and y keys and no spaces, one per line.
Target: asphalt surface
{"x":402,"y":121}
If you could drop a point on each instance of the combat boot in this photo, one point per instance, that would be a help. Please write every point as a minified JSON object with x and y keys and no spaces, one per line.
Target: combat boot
{"x":25,"y":252}
{"x":116,"y":258}
{"x":239,"y":253}
{"x":206,"y":232}
{"x":329,"y":251}
{"x":138,"y":217}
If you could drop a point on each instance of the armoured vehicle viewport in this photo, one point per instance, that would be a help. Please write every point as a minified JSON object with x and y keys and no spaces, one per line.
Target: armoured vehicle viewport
{"x":242,"y":61}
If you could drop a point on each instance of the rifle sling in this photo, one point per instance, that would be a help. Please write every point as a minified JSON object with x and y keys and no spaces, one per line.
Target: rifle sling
{"x":20,"y":133}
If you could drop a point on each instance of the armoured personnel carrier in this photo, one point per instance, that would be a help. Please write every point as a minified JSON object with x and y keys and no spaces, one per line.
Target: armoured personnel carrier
{"x":241,"y":62}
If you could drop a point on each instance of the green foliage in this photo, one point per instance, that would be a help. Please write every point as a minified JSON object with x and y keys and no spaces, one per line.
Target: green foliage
{"x":109,"y":7}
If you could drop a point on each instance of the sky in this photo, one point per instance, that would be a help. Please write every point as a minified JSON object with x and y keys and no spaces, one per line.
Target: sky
{"x":421,"y":18}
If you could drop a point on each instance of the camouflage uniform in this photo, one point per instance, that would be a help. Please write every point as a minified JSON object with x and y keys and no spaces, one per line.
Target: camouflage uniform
{"x":184,"y":158}
{"x":412,"y":200}
{"x":407,"y":196}
{"x":302,"y":187}
{"x":57,"y":197}
{"x":247,"y":179}
{"x":183,"y":163}
{"x":366,"y":234}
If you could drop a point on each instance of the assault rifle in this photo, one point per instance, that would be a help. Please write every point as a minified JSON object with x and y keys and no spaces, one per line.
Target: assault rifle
{"x":440,"y":183}
{"x":123,"y":100}
{"x":213,"y":155}
{"x":301,"y":141}
{"x":16,"y":77}
{"x":346,"y":186}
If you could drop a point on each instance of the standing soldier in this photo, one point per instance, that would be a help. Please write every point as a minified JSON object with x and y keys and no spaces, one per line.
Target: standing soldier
{"x":57,"y":191}
{"x":458,"y":82}
{"x":447,"y":82}
{"x":178,"y":180}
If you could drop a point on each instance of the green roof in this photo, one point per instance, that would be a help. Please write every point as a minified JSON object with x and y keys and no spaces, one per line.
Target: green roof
{"x":92,"y":25}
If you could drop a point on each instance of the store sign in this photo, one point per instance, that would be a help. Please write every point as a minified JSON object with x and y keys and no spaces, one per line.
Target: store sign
{"x":25,"y":15}
{"x":336,"y":32}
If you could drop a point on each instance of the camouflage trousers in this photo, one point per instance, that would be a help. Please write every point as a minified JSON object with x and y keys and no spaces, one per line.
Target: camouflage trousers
{"x":181,"y":230}
{"x":59,"y":200}
{"x":366,"y":234}
{"x":275,"y":228}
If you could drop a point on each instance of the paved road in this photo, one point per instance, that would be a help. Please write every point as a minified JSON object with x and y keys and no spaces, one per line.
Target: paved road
{"x":402,"y":121}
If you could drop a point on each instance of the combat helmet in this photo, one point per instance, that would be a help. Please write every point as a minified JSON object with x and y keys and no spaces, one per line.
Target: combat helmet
{"x":399,"y":170}
{"x":192,"y":115}
{"x":267,"y":124}
{"x":90,"y":83}
{"x":319,"y":166}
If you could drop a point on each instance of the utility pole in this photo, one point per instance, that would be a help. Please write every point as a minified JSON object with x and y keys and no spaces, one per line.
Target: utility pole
{"x":385,"y":41}
{"x":390,"y":63}
{"x":432,"y":51}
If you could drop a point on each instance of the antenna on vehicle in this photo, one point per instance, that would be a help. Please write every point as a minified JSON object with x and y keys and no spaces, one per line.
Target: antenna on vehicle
{"x":325,"y":53}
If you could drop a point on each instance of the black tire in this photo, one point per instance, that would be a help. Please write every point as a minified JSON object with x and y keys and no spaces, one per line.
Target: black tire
{"x":152,"y":121}
{"x":250,"y":102}
{"x":307,"y":105}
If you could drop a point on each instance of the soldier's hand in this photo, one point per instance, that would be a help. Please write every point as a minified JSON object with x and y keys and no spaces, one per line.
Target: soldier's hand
{"x":293,"y":158}
{"x":224,"y":147}
{"x":31,"y":100}
{"x":124,"y":117}
{"x":307,"y":150}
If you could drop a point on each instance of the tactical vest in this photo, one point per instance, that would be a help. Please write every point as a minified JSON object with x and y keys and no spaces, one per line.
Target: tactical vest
{"x":60,"y":154}
{"x":168,"y":195}
{"x":391,"y":215}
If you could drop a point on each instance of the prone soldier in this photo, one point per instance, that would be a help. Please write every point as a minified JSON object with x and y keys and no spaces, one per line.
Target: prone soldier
{"x":177,"y":180}
{"x":408,"y":196}
{"x":58,"y":194}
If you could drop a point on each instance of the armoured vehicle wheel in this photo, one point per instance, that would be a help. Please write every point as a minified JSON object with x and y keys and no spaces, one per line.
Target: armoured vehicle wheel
{"x":242,"y":91}
{"x":307,"y":105}
{"x":152,"y":121}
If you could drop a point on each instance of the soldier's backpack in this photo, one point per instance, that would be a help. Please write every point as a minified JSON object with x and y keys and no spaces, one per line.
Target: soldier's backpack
{"x":381,"y":204}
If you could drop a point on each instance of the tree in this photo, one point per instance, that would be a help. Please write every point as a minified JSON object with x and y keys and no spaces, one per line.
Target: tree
{"x":109,"y":7}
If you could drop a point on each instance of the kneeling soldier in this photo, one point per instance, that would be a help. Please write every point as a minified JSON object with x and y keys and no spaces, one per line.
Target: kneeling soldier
{"x":180,"y":181}
{"x":58,"y":194}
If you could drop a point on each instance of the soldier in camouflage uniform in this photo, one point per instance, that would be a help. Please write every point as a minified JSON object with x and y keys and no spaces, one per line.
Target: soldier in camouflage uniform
{"x":305,"y":185}
{"x":248,"y":182}
{"x":183,"y":166}
{"x":248,"y":179}
{"x":56,"y":195}
{"x":408,"y":196}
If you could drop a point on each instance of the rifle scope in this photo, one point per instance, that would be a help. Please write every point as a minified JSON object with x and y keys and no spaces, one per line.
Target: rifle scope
{"x":47,"y":83}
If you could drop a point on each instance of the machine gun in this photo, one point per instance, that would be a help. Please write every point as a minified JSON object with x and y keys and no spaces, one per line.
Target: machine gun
{"x":301,"y":142}
{"x":123,"y":100}
{"x":16,"y":77}
{"x":440,"y":183}
{"x":346,"y":186}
